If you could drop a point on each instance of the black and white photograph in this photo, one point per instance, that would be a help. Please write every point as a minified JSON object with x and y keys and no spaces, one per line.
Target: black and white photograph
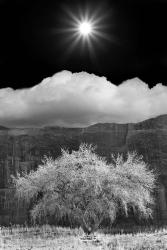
{"x":83,"y":124}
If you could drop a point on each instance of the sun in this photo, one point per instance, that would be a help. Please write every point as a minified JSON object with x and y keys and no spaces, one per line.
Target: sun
{"x":85,"y":28}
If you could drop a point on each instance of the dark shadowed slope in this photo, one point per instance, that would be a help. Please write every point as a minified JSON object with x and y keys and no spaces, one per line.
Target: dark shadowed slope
{"x":23,"y":149}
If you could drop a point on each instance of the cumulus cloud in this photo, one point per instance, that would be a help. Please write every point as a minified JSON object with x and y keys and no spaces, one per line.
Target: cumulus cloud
{"x":81,"y":99}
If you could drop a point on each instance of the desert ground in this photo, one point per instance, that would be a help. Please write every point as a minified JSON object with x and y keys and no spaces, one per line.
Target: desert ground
{"x":58,"y":238}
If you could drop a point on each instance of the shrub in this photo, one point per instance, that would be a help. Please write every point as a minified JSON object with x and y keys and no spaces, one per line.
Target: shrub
{"x":84,"y":187}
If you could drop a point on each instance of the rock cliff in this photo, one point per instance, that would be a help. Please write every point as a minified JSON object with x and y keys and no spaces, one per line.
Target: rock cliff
{"x":22,"y":150}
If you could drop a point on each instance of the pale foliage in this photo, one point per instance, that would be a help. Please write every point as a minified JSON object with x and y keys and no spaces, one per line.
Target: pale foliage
{"x":83,"y":186}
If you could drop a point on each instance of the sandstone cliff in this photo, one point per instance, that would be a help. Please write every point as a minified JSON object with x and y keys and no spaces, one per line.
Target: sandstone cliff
{"x":23,"y":149}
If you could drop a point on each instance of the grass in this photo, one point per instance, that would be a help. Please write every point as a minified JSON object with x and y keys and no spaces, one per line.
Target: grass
{"x":50,"y":237}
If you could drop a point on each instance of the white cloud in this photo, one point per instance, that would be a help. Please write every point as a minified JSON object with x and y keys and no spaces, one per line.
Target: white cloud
{"x":81,"y":99}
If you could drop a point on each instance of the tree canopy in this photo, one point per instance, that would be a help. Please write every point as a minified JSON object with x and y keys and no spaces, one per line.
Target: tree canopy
{"x":86,"y":188}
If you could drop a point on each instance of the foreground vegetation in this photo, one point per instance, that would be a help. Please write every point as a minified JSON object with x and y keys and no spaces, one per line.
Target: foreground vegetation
{"x":84,"y":188}
{"x":50,"y":237}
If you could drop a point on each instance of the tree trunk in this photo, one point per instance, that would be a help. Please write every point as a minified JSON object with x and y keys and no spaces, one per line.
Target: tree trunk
{"x":87,"y":229}
{"x":95,"y":226}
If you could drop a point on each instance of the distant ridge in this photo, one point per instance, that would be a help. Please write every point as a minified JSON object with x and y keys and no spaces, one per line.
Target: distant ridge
{"x":161,"y":119}
{"x":22,"y":149}
{"x":3,"y":128}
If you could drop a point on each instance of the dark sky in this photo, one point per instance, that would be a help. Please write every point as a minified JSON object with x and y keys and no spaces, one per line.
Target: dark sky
{"x":32,"y":46}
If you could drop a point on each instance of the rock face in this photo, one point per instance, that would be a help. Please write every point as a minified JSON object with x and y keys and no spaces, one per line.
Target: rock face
{"x":23,"y":149}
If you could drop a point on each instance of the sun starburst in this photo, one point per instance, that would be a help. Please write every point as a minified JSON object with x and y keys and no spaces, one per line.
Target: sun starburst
{"x":84,"y":27}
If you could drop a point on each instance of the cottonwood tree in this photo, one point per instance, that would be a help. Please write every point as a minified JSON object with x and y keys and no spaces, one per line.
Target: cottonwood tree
{"x":84,"y":187}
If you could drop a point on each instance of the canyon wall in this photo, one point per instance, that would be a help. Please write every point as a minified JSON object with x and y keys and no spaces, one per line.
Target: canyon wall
{"x":22,"y":150}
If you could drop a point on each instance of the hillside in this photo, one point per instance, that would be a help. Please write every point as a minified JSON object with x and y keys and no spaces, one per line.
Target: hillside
{"x":22,"y":150}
